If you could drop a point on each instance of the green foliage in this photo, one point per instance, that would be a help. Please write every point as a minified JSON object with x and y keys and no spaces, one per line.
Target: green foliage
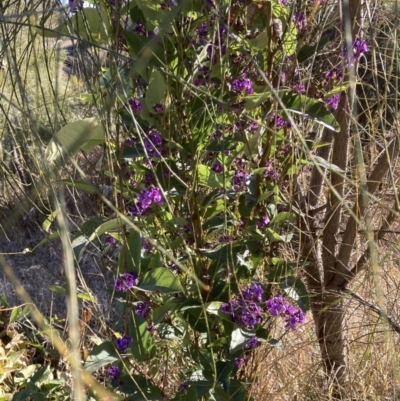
{"x":202,"y":130}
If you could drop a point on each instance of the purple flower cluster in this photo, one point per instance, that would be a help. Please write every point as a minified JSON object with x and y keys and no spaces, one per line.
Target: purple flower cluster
{"x":217,"y":167}
{"x":270,"y":173}
{"x":279,"y":121}
{"x":239,"y":180}
{"x":244,"y":309}
{"x":334,"y":74}
{"x":146,"y":199}
{"x":135,"y":106}
{"x":243,"y":86}
{"x":252,"y":343}
{"x":359,"y":48}
{"x":158,"y":108}
{"x":146,"y":246}
{"x":332,"y":101}
{"x":253,"y":293}
{"x":125,"y":282}
{"x":140,"y":29}
{"x":113,"y":372}
{"x":202,"y":77}
{"x":263,"y":222}
{"x":293,"y":316}
{"x":301,"y":22}
{"x":184,"y":387}
{"x":123,"y":343}
{"x":152,"y":143}
{"x":239,"y":362}
{"x":142,"y":309}
{"x":75,"y":5}
{"x":299,"y":88}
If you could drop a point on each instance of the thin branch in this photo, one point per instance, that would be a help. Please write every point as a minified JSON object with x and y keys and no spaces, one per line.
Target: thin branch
{"x":395,"y":325}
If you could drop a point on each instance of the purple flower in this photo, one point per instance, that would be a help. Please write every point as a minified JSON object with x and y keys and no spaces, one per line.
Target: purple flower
{"x":253,"y":126}
{"x":145,"y":200}
{"x":135,"y":106}
{"x":301,"y":22}
{"x":125,"y":282}
{"x":148,"y":178}
{"x":242,"y":86}
{"x":279,"y":122}
{"x":113,"y":372}
{"x":239,"y":362}
{"x":123,"y":343}
{"x":295,"y":317}
{"x":263,"y":222}
{"x":244,"y":312}
{"x":158,"y":108}
{"x":146,"y":246}
{"x":184,"y":387}
{"x":253,"y":293}
{"x":225,"y":239}
{"x":152,"y":143}
{"x":140,"y":29}
{"x":334,"y":74}
{"x":359,"y":48}
{"x":333,"y":101}
{"x":239,"y":180}
{"x":167,"y":4}
{"x":217,"y":167}
{"x":75,"y":5}
{"x":299,"y":88}
{"x":110,"y":240}
{"x":277,"y":305}
{"x":142,"y":308}
{"x":252,"y":343}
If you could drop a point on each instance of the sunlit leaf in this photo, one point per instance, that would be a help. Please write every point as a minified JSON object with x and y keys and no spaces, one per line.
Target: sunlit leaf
{"x":160,"y":280}
{"x":100,"y":356}
{"x":78,"y":135}
{"x":314,"y":109}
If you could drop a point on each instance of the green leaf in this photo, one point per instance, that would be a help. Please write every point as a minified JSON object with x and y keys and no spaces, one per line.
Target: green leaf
{"x":58,"y":289}
{"x":254,"y":100}
{"x":280,"y":269}
{"x":78,"y":135}
{"x":130,"y":255}
{"x":83,"y":186}
{"x":156,"y":90}
{"x":91,"y":24}
{"x":239,"y":338}
{"x":49,"y":220}
{"x":100,"y":356}
{"x":314,"y":109}
{"x":224,"y":252}
{"x":160,"y":280}
{"x":277,"y":344}
{"x":261,"y":41}
{"x":282,"y":217}
{"x":168,"y":307}
{"x":210,"y":179}
{"x":320,"y":161}
{"x":295,"y":289}
{"x":142,"y":348}
{"x":18,"y":313}
{"x":86,"y":297}
{"x":273,"y":236}
{"x":308,"y":51}
{"x":145,"y":50}
{"x":197,"y":319}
